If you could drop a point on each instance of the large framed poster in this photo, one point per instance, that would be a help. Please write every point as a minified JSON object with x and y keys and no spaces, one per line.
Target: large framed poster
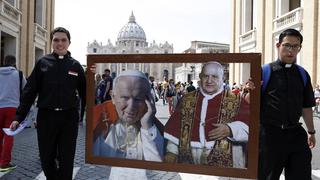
{"x":144,"y":113}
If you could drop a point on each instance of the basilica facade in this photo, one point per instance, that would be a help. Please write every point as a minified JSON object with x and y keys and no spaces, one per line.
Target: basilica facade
{"x":132,"y":39}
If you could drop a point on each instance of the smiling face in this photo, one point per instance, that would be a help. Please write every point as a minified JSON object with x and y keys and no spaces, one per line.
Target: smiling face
{"x":129,"y":97}
{"x":288,"y":49}
{"x":60,"y":43}
{"x":211,"y":78}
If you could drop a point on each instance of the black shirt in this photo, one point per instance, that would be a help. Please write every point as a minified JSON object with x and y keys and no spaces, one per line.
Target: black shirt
{"x":58,"y":81}
{"x":285,"y":96}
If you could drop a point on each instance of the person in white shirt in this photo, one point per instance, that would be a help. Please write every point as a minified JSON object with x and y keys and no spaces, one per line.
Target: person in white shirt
{"x":134,"y":135}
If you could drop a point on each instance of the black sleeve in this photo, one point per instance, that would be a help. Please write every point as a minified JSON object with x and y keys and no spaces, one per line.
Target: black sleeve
{"x":82,"y":91}
{"x":29,"y":93}
{"x":308,"y":94}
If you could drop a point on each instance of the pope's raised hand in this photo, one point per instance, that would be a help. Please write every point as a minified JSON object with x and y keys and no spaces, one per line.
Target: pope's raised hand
{"x":148,"y":118}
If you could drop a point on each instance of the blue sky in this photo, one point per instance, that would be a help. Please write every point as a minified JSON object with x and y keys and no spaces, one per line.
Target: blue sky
{"x":177,"y":21}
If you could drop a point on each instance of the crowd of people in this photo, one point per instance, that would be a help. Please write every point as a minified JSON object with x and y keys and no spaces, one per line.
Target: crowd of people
{"x":208,"y":124}
{"x":168,"y":91}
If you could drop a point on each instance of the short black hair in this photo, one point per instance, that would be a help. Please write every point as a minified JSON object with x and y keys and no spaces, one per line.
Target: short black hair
{"x":9,"y":60}
{"x":60,"y":29}
{"x":107,"y":70}
{"x":290,"y":32}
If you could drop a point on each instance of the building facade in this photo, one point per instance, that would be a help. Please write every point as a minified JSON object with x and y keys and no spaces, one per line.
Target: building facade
{"x":132,"y":39}
{"x":25,"y":28}
{"x":256,"y":25}
{"x":190,"y":71}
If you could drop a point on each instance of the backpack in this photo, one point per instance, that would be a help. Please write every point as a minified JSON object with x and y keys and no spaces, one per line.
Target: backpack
{"x":266,"y":73}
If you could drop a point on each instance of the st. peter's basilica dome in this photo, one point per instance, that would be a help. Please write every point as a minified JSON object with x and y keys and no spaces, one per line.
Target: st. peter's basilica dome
{"x":131,"y":31}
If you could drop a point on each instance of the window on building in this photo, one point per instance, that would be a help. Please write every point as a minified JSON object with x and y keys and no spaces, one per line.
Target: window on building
{"x":249,"y":15}
{"x":39,"y":11}
{"x":8,"y":45}
{"x":294,"y":4}
{"x":94,"y":50}
{"x":11,"y":2}
{"x":285,"y":6}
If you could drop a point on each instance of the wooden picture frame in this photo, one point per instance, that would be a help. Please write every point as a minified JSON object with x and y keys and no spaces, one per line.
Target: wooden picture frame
{"x":254,"y":59}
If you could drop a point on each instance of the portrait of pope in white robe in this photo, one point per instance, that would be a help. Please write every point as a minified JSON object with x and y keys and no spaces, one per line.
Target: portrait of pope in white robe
{"x":134,"y":135}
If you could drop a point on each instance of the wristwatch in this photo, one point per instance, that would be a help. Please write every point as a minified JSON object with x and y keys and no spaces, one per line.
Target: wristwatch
{"x":312,"y":132}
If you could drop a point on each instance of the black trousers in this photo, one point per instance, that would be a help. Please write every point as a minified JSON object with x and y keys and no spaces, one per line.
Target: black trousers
{"x":57,"y":137}
{"x":284,"y":149}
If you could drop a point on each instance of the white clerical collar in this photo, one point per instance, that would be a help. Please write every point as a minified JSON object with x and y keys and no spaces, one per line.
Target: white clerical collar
{"x":210,"y":96}
{"x":288,"y":65}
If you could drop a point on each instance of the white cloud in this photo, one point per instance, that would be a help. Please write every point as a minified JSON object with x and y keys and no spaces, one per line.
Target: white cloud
{"x":177,"y":21}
